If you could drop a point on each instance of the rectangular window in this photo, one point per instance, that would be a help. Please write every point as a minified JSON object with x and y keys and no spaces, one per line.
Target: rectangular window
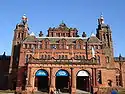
{"x":30,"y":46}
{"x":26,"y":46}
{"x":117,"y":80}
{"x":66,"y":57}
{"x":99,"y":77}
{"x":49,"y":57}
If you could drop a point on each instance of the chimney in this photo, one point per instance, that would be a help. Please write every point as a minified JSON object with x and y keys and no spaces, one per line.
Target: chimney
{"x":40,"y":34}
{"x":83,"y":34}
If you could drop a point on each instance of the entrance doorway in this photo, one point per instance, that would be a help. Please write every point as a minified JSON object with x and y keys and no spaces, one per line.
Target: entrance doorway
{"x":62,"y":81}
{"x":41,"y":80}
{"x":83,"y":82}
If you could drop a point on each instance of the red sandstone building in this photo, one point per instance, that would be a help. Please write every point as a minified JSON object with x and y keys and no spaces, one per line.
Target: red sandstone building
{"x":63,"y":60}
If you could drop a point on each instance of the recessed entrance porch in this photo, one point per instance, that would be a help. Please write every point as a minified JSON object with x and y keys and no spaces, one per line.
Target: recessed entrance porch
{"x":62,"y":81}
{"x":41,"y":80}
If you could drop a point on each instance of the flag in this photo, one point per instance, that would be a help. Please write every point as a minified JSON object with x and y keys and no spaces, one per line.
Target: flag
{"x":93,"y":52}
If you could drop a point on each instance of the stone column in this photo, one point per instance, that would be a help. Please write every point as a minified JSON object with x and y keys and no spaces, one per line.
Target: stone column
{"x":52,"y":80}
{"x":93,"y":77}
{"x":29,"y":75}
{"x":70,"y":83}
{"x":90,"y":83}
{"x":73,"y":82}
{"x":28,"y":85}
{"x":19,"y":79}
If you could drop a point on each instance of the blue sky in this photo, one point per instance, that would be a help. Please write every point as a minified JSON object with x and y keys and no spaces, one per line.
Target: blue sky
{"x":82,"y":14}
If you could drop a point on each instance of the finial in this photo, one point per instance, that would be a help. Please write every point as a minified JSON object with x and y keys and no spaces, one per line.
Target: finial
{"x":92,"y":34}
{"x":4,"y":54}
{"x":62,"y":22}
{"x":101,"y":19}
{"x":32,"y":34}
{"x":24,"y":18}
{"x":120,"y":55}
{"x":101,"y":14}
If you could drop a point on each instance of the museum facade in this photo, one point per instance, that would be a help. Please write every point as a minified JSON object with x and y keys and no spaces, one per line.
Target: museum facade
{"x":62,"y":60}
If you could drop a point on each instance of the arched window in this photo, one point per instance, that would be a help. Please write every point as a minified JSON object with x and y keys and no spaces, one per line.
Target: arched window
{"x":40,"y":46}
{"x":45,"y":56}
{"x":108,"y":39}
{"x":110,"y":82}
{"x":104,"y":36}
{"x":18,"y":35}
{"x":118,"y":79}
{"x":79,"y":46}
{"x":107,"y":59}
{"x":62,"y":46}
{"x":76,"y":56}
{"x":83,"y":57}
{"x":45,"y":45}
{"x":62,"y":56}
{"x":99,"y":77}
{"x":48,"y":56}
{"x":59,"y":56}
{"x":27,"y":58}
{"x":26,"y":46}
{"x":80,"y":57}
{"x":42,"y":57}
{"x":30,"y":46}
{"x":66,"y":57}
{"x":98,"y":59}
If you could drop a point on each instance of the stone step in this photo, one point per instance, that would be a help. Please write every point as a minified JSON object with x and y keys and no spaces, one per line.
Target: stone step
{"x":81,"y":92}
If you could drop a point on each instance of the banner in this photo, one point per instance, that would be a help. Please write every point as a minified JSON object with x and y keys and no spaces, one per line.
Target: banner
{"x":41,"y":73}
{"x":62,"y":73}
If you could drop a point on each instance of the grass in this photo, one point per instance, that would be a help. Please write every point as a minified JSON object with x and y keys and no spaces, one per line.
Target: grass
{"x":121,"y":91}
{"x":6,"y":91}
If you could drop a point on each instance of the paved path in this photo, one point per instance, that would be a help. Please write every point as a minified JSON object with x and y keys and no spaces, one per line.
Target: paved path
{"x":77,"y":92}
{"x":81,"y":92}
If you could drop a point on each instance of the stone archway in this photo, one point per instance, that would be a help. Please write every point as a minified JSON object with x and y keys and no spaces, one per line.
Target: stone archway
{"x":42,"y":80}
{"x":83,"y":80}
{"x":63,"y":81}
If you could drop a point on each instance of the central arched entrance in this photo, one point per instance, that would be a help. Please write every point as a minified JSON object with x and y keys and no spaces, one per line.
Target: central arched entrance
{"x":41,"y":80}
{"x":62,"y":81}
{"x":83,"y":80}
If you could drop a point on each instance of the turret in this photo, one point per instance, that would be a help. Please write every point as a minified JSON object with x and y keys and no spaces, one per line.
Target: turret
{"x":20,"y":33}
{"x":21,"y":30}
{"x":104,"y":33}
